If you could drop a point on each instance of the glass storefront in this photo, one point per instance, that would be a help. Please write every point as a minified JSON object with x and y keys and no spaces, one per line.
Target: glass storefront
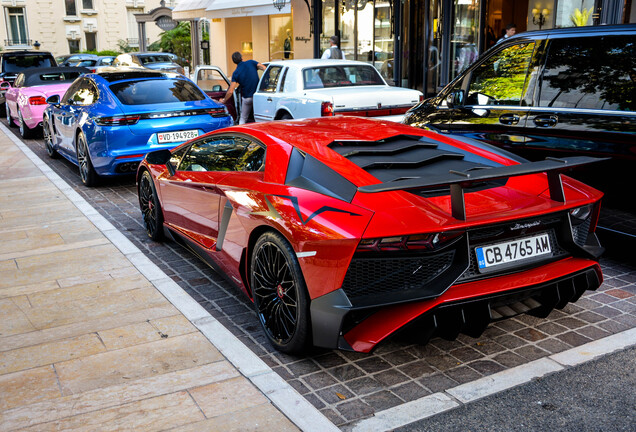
{"x":439,"y":39}
{"x":366,"y":31}
{"x":281,"y":37}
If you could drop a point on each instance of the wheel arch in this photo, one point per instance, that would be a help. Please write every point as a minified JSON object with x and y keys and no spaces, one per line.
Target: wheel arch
{"x":281,"y":112}
{"x":246,"y":255}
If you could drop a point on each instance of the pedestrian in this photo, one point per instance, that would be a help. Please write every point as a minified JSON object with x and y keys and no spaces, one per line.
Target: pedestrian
{"x":511,"y":29}
{"x":333,"y":52}
{"x":245,"y":77}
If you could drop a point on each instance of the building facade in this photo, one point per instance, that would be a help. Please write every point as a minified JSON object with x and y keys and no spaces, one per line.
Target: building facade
{"x":420,"y":44}
{"x":69,"y":26}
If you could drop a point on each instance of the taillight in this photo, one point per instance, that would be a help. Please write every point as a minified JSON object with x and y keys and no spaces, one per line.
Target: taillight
{"x":37,"y":100}
{"x":217,"y":112}
{"x":412,"y":242}
{"x":117,"y":120}
{"x":326,"y":109}
{"x":421,"y":98}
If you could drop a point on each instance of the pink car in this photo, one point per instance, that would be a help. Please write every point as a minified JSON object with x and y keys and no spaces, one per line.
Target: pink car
{"x":26,"y":100}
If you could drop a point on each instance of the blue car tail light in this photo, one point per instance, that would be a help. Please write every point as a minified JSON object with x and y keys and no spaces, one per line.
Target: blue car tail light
{"x":118,"y":120}
{"x":131,"y":119}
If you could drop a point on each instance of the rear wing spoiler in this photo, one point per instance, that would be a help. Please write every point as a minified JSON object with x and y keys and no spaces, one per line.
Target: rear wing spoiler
{"x":458,"y":180}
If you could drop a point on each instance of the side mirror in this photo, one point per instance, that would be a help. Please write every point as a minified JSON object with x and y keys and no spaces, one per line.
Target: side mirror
{"x":53,"y":100}
{"x":455,"y":98}
{"x":161,"y":157}
{"x":5,"y":85}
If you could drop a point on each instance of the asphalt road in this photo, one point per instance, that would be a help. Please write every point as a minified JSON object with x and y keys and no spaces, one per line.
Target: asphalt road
{"x":595,"y":396}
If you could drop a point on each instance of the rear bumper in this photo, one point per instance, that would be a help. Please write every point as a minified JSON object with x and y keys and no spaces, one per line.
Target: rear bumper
{"x":465,"y":308}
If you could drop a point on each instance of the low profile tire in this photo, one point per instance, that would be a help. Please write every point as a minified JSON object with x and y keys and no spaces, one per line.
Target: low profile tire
{"x":280,"y":294}
{"x":25,"y":131}
{"x":48,"y":139}
{"x":7,"y":112}
{"x":87,"y":172}
{"x":150,"y":207}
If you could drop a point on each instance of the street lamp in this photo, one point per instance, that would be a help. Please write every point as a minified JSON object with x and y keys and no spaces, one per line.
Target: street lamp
{"x":36,"y":45}
{"x":279,"y":4}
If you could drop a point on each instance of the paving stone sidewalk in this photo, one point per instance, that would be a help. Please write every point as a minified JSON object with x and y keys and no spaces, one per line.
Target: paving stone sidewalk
{"x":87,"y":342}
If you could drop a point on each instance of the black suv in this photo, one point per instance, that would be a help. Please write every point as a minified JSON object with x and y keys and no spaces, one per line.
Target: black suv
{"x":14,"y":62}
{"x":553,"y":93}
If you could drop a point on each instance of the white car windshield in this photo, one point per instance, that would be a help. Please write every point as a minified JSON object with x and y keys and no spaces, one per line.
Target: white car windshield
{"x":341,"y":76}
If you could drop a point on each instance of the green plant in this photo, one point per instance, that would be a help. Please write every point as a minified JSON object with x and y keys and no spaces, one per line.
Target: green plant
{"x":579,"y":18}
{"x":177,"y":41}
{"x":125,"y":47}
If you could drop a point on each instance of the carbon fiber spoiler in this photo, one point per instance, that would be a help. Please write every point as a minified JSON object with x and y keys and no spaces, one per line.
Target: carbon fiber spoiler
{"x":458,"y":180}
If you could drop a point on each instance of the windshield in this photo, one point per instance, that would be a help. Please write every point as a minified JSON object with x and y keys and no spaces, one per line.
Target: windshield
{"x":155,"y":91}
{"x":155,"y":59}
{"x":19,"y":63}
{"x":341,"y":76}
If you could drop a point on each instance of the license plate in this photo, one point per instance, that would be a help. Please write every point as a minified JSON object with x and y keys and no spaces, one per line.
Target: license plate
{"x":177,"y":136}
{"x":513,"y":251}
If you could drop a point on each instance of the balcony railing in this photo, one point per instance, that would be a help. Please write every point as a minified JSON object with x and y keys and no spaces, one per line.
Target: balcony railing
{"x":17,"y":42}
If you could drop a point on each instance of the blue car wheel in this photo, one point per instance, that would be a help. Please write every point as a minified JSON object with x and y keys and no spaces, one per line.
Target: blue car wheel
{"x":87,"y":172}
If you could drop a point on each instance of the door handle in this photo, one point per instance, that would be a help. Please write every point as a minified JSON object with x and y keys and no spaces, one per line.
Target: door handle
{"x":269,"y":99}
{"x":509,"y":119}
{"x":546,"y":121}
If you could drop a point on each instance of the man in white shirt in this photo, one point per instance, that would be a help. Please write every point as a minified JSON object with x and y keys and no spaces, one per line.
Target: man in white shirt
{"x":333,"y":52}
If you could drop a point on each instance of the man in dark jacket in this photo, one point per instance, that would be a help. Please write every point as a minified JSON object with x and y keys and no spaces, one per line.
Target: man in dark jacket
{"x":246,"y":76}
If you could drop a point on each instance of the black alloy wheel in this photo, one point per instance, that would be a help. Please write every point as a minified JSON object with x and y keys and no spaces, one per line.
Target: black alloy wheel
{"x":150,"y":207}
{"x":280,"y":294}
{"x":48,"y":138}
{"x":25,"y":131}
{"x":86,"y":170}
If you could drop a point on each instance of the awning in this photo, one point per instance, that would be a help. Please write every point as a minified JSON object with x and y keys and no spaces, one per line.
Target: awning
{"x":229,"y":8}
{"x":188,"y":5}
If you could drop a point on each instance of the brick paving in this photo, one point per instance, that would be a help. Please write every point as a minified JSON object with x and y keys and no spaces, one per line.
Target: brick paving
{"x":346,"y":386}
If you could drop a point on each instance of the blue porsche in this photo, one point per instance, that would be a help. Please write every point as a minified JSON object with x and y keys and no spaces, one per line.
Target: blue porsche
{"x":106,"y":122}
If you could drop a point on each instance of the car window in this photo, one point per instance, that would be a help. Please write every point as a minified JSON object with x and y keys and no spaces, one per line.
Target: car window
{"x":341,"y":76}
{"x":155,"y":59}
{"x":211,"y":80}
{"x":85,"y":63}
{"x":269,"y":81}
{"x":501,"y":79}
{"x":593,"y":73}
{"x":51,"y":77}
{"x":226,"y":153}
{"x":85,"y":93}
{"x":156,"y":91}
{"x":17,"y":63}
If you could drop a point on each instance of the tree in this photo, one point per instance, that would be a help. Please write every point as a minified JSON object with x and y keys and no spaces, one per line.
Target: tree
{"x":177,"y":41}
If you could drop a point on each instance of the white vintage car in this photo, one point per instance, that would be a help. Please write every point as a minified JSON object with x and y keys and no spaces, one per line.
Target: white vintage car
{"x":295,"y":89}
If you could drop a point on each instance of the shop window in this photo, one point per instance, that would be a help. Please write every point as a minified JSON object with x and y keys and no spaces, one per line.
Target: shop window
{"x":501,"y":80}
{"x":281,"y":37}
{"x":590,"y":73}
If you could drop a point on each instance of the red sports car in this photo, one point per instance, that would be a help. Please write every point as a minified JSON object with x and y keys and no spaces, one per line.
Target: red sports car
{"x":344,"y":231}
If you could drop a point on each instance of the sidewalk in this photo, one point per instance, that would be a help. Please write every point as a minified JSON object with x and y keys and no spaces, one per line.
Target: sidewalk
{"x":87,"y":342}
